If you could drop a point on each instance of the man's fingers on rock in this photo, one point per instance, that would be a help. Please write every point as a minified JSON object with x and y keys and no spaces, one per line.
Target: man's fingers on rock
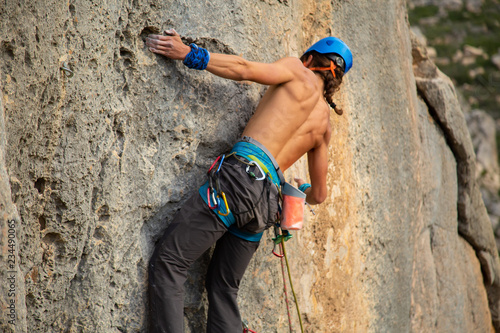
{"x":151,"y":42}
{"x":158,"y":38}
{"x":158,"y":44}
{"x":154,"y":36}
{"x":163,"y":46}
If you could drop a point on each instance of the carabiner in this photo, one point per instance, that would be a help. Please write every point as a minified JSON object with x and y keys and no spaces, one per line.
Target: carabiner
{"x":213,"y":199}
{"x":310,"y":208}
{"x":220,"y":164}
{"x":280,"y":255}
{"x":225,"y":203}
{"x":67,"y":71}
{"x":258,"y":167}
{"x":215,"y":162}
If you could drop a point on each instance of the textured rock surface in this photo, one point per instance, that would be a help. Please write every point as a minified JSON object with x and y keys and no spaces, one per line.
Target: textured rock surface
{"x":439,"y":249}
{"x":12,"y":291}
{"x":93,"y":166}
{"x":483,"y":134}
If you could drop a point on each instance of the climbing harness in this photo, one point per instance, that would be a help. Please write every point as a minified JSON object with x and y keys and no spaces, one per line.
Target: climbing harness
{"x":269,"y":155}
{"x":216,"y":198}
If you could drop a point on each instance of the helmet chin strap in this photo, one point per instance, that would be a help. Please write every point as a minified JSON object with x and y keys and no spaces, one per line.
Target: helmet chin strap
{"x":331,"y":68}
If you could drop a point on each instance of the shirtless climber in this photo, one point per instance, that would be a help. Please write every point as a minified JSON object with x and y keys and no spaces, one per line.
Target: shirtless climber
{"x":240,"y":199}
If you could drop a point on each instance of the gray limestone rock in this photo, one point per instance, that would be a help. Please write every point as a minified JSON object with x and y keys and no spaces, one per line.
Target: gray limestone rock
{"x":483,"y":133}
{"x":12,"y":287}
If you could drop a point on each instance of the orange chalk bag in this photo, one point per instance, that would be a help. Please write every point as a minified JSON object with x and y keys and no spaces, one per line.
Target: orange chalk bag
{"x":292,"y":214}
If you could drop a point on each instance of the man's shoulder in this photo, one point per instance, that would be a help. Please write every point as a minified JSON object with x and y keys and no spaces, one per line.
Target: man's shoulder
{"x":296,"y":67}
{"x":291,"y":61}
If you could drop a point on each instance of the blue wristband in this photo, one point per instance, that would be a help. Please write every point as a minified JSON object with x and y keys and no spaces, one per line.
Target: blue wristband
{"x":198,"y":58}
{"x":304,"y":187}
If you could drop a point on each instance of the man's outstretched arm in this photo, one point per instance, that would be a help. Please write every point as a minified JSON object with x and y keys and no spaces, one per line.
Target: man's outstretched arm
{"x":227,"y":66}
{"x":318,"y":168}
{"x":317,"y":160}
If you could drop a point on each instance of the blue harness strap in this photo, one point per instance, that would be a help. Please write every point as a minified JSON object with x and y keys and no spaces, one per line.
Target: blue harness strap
{"x":269,"y":155}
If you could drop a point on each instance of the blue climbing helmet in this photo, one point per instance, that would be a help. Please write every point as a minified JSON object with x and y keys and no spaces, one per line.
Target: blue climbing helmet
{"x":332,"y":47}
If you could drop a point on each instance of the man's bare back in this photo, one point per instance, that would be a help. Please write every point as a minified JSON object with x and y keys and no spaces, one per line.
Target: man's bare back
{"x":292,"y":118}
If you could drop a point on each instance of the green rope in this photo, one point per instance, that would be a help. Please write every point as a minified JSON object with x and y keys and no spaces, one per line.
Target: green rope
{"x":291,"y":285}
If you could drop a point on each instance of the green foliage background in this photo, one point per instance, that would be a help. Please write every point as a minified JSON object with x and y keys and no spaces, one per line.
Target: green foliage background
{"x":449,"y":31}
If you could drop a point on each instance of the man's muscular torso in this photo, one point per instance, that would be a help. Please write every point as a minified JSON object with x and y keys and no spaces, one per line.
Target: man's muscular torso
{"x":292,"y":118}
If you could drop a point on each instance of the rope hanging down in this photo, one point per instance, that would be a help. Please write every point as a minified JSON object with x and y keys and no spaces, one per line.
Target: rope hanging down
{"x":281,"y":255}
{"x":291,"y":285}
{"x":280,"y":239}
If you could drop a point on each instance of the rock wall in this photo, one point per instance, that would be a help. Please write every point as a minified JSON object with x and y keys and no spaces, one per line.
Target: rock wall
{"x":462,"y":42}
{"x":94,"y":163}
{"x":475,"y":238}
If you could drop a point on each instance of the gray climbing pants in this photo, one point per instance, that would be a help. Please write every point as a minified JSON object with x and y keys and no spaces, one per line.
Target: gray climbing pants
{"x":194,"y":230}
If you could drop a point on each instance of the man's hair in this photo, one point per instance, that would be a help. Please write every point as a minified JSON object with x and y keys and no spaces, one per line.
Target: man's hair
{"x":331,"y":83}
